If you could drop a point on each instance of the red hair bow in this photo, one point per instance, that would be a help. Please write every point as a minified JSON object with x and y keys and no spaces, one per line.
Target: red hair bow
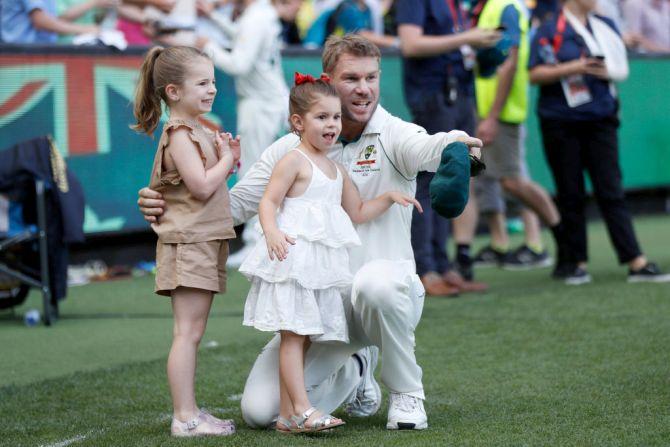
{"x":300,"y":78}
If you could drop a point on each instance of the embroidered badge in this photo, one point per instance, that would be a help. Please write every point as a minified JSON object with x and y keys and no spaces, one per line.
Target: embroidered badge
{"x":366,"y":162}
{"x":368,"y":156}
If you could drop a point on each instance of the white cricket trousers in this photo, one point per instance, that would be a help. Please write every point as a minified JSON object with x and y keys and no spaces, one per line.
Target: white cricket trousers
{"x":383,"y":309}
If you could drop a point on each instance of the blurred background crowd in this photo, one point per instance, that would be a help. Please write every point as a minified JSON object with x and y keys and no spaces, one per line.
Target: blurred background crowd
{"x":644,"y":24}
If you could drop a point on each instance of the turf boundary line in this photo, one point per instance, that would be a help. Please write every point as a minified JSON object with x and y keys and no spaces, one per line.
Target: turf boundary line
{"x":66,"y":442}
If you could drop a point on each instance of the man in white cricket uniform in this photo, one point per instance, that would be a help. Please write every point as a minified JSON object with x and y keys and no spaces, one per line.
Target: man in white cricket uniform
{"x":381,"y":153}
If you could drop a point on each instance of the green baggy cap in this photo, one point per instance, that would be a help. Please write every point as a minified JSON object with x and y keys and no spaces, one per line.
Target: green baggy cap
{"x":450,"y":187}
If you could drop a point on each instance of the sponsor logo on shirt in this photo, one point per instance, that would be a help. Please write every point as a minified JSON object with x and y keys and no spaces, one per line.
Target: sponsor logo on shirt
{"x":366,"y":162}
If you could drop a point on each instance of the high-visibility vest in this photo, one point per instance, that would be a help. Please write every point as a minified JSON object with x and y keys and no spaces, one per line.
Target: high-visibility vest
{"x":516,"y":107}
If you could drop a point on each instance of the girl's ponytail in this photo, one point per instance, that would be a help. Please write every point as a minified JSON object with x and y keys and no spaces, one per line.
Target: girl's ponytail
{"x":147,"y":108}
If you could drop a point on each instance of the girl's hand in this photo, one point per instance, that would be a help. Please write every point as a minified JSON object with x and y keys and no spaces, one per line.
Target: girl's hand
{"x":235,"y":148}
{"x":596,"y":67}
{"x":404,"y":200}
{"x":277,"y":243}
{"x":222,"y":143}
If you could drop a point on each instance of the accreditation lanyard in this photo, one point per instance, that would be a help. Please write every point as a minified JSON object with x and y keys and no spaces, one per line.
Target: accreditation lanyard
{"x":557,"y":41}
{"x":476,"y":12}
{"x":456,"y":16}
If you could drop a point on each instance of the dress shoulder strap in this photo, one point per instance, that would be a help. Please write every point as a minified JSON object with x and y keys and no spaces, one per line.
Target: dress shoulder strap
{"x":304,"y":155}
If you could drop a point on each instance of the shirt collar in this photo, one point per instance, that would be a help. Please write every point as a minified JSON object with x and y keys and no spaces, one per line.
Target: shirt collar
{"x":377,"y":121}
{"x":373,"y":127}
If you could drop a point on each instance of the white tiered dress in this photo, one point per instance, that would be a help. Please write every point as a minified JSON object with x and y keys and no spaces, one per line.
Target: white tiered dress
{"x":302,"y":293}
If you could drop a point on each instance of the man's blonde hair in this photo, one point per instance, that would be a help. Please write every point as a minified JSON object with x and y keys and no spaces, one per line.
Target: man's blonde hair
{"x":352,"y":44}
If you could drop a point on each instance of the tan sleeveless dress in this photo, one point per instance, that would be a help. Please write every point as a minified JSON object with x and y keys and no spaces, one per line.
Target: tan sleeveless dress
{"x":192,"y":234}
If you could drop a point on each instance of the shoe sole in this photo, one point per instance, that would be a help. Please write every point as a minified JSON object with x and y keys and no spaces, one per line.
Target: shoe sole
{"x":407,"y":426}
{"x":538,"y":265}
{"x":578,"y":281}
{"x":652,"y":279}
{"x":378,"y":390}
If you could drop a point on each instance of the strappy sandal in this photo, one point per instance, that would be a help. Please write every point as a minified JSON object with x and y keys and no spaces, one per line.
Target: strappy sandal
{"x":289,"y":426}
{"x":324,"y":422}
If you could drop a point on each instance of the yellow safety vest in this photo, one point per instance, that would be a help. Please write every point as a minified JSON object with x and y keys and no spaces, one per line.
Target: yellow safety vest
{"x":516,"y":107}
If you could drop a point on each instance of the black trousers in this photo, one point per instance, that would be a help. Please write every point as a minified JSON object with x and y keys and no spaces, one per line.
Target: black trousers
{"x":430,"y":231}
{"x":574,"y":147}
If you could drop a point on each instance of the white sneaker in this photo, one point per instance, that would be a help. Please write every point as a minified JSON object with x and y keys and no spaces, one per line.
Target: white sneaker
{"x":406,"y":413}
{"x":367,"y":398}
{"x":235,"y":260}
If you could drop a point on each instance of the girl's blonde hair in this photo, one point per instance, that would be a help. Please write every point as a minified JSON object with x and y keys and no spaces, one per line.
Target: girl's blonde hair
{"x":161,"y":66}
{"x":303,"y":96}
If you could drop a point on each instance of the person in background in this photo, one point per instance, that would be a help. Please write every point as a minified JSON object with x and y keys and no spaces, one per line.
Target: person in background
{"x":502,"y":106}
{"x":439,"y":90}
{"x":37,"y":21}
{"x":612,"y":9}
{"x":491,"y":203}
{"x":136,"y":26}
{"x":86,"y":12}
{"x":647,"y":25}
{"x":205,"y":26}
{"x":254,"y":61}
{"x":543,"y":10}
{"x":576,"y":59}
{"x":288,"y":13}
{"x":362,"y":17}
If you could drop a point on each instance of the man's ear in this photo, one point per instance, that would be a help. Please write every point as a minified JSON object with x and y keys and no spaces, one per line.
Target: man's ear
{"x":296,"y":122}
{"x":172,"y":92}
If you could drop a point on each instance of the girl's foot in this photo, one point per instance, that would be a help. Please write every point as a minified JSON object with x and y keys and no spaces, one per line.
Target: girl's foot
{"x":284,"y":425}
{"x":221,"y":422}
{"x":201,"y":425}
{"x":313,"y":420}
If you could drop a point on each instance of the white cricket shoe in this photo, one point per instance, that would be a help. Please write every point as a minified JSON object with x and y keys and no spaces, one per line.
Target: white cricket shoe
{"x":406,"y":413}
{"x":367,"y":398}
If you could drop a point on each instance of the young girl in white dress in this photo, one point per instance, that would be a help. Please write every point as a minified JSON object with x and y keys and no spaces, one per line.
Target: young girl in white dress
{"x":301,"y":265}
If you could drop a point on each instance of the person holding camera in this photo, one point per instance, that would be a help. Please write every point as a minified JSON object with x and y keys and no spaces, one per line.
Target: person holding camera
{"x":576,"y":59}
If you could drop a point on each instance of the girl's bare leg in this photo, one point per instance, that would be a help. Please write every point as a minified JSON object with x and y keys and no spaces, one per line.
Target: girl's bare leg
{"x":291,"y":374}
{"x":191,"y":309}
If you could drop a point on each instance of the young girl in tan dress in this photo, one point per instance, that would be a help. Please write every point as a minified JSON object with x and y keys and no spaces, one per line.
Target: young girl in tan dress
{"x":190,"y":170}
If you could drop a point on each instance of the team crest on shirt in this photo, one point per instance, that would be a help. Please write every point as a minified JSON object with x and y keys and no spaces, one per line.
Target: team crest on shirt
{"x":366,"y":162}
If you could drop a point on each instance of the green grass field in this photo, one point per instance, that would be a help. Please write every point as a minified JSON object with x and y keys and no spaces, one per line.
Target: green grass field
{"x":533,"y":362}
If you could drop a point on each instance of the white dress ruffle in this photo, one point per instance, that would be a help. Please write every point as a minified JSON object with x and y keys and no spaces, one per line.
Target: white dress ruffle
{"x":302,"y":293}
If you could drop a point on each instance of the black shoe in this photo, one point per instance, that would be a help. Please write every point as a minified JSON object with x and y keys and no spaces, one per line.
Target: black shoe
{"x":648,"y":273}
{"x":465,"y":269}
{"x":489,"y":257}
{"x":571,"y":274}
{"x":523,"y":258}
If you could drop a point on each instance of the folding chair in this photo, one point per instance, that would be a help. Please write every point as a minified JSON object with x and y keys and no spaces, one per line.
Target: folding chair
{"x":20,"y":240}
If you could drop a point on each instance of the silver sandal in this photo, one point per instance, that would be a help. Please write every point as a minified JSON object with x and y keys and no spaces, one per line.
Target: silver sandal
{"x":286,"y":423}
{"x":324,"y":422}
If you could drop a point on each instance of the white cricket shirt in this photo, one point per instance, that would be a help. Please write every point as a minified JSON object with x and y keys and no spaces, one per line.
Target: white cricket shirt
{"x":387,"y":157}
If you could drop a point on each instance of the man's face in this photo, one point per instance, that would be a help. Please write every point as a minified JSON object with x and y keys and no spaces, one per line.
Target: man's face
{"x":356,"y":80}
